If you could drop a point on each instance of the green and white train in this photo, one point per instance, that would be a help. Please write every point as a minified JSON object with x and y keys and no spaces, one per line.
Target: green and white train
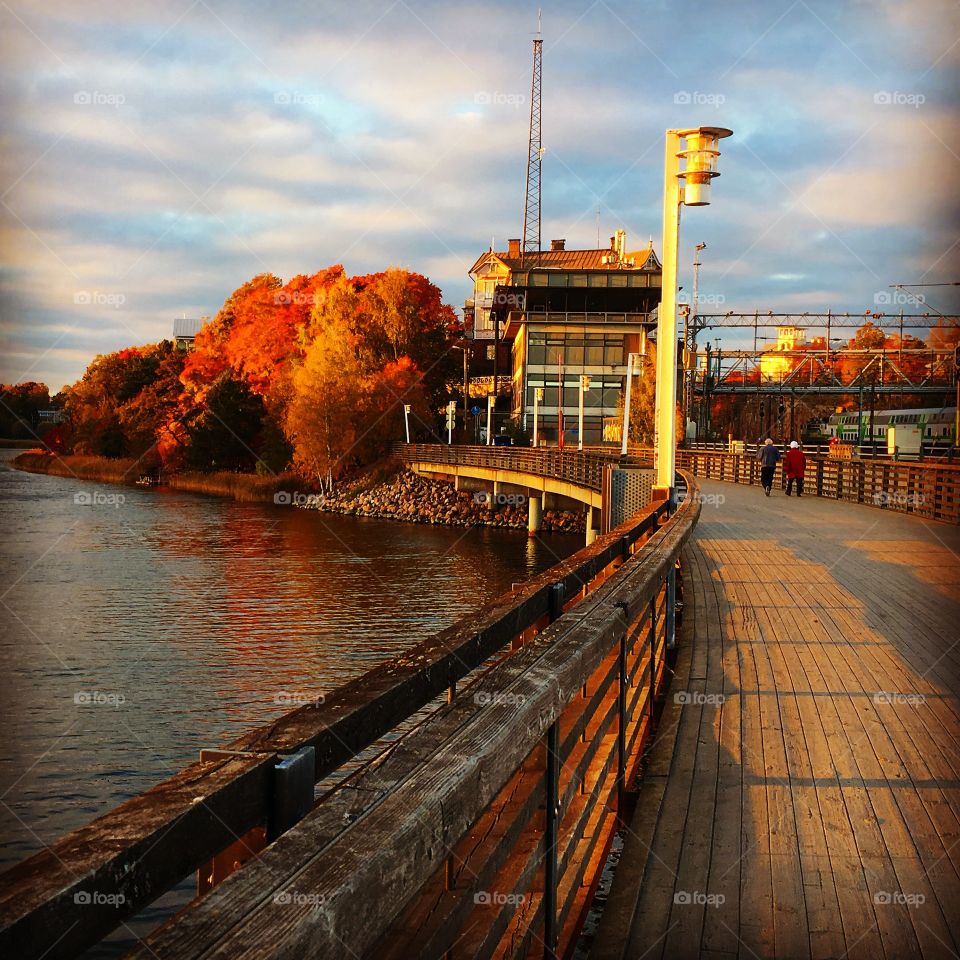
{"x":935,"y":424}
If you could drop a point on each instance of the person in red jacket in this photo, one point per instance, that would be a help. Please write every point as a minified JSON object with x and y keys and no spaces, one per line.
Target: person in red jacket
{"x":794,"y":467}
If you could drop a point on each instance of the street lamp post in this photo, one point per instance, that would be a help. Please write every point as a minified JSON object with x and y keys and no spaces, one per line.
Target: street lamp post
{"x":584,"y":387}
{"x":631,"y":361}
{"x":466,"y":386}
{"x":491,"y":400}
{"x":537,"y":400}
{"x":697,"y":149}
{"x":406,"y":420}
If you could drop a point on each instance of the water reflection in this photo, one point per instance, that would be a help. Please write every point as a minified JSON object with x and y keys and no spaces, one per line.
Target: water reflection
{"x":134,"y":635}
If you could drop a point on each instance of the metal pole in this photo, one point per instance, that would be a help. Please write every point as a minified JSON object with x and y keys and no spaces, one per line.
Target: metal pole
{"x":666,"y":392}
{"x":626,"y":406}
{"x":406,"y":420}
{"x":580,"y":417}
{"x":537,"y":397}
{"x":491,"y":399}
{"x":466,"y":391}
{"x":496,"y":350}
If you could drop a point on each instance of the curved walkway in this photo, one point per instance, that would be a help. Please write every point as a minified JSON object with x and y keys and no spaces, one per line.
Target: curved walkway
{"x":802,"y":798}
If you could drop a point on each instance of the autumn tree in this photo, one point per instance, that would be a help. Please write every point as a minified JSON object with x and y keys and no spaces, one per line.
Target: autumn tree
{"x":225,"y":436}
{"x":323,"y":418}
{"x":19,"y":408}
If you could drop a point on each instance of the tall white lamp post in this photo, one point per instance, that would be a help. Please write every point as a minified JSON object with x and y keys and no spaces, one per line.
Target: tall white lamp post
{"x":584,"y":387}
{"x":406,"y":420}
{"x":537,"y":400}
{"x":491,"y":400}
{"x":690,"y":156}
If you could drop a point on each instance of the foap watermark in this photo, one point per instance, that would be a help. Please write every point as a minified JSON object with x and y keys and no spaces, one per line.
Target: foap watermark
{"x":499,"y":499}
{"x":285,"y":898}
{"x":297,"y":98}
{"x":496,"y":898}
{"x":696,"y":698}
{"x":98,"y":98}
{"x":94,"y":498}
{"x":894,"y":696}
{"x":897,"y":98}
{"x":97,"y":898}
{"x":898,"y":298}
{"x":709,"y":499}
{"x":698,"y":898}
{"x":285,"y":297}
{"x":296,"y":498}
{"x":99,"y":298}
{"x":883,"y":498}
{"x":884,"y":897}
{"x":486,"y":98}
{"x":97,"y":698}
{"x":703,"y":299}
{"x":298,"y":698}
{"x":698,"y":98}
{"x":486,"y":698}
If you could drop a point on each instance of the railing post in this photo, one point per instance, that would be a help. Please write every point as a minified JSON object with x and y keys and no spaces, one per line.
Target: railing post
{"x":551,"y":832}
{"x":670,"y":624}
{"x":292,"y":790}
{"x":622,"y":725}
{"x":555,"y":601}
{"x":653,"y":654}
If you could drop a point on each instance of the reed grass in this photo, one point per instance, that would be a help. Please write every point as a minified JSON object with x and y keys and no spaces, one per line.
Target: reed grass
{"x":247,"y":487}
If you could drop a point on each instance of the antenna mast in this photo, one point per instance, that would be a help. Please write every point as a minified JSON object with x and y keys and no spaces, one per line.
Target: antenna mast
{"x":531,"y":204}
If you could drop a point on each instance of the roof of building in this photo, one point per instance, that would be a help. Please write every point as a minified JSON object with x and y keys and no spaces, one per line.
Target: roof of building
{"x":602,"y":259}
{"x":187,"y":326}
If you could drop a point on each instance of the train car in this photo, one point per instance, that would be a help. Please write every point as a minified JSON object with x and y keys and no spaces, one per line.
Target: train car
{"x":936,"y":424}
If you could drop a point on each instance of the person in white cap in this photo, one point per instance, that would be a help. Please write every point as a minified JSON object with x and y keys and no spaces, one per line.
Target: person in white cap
{"x":794,"y":467}
{"x":768,"y":455}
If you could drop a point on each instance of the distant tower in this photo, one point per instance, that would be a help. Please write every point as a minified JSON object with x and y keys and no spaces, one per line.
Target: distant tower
{"x":531,"y":204}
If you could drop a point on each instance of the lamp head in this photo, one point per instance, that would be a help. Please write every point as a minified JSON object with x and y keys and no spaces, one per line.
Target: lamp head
{"x":701,"y":153}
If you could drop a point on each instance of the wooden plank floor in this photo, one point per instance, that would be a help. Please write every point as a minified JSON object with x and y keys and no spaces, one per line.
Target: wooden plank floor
{"x":803,"y":800}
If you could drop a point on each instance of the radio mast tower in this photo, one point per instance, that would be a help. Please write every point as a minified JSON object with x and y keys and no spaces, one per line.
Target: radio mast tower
{"x":531,"y":204}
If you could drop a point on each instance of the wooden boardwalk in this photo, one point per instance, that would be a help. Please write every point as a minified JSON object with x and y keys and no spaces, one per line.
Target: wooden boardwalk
{"x":802,"y":798}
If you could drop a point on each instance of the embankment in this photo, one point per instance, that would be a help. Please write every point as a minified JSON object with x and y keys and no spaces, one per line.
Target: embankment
{"x":382,"y":492}
{"x":415,"y":499}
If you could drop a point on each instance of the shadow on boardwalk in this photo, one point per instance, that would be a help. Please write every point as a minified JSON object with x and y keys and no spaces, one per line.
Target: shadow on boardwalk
{"x":803,"y":795}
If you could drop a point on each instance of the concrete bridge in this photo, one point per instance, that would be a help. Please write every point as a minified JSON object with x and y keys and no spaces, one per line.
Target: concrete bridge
{"x":775,"y":737}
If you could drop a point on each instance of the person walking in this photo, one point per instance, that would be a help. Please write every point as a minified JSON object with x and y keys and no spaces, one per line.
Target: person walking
{"x":794,"y":467}
{"x":768,"y":455}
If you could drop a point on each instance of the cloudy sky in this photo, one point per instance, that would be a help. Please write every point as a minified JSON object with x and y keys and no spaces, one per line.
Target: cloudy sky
{"x":157,"y":155}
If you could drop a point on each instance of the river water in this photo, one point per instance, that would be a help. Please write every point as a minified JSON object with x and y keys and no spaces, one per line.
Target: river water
{"x":140,"y":629}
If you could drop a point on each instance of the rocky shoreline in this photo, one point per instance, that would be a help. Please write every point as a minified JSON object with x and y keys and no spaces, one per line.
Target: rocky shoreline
{"x":414,"y":499}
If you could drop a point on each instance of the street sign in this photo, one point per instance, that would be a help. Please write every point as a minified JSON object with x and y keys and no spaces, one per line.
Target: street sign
{"x":476,"y":411}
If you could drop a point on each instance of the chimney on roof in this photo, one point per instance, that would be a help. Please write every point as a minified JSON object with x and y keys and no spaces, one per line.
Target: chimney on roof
{"x":513,"y":247}
{"x":558,"y":244}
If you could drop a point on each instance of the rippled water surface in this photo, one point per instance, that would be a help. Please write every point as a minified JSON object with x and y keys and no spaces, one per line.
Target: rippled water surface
{"x":134,"y":635}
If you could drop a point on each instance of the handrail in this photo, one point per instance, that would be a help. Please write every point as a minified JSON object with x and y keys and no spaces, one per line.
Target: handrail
{"x":580,"y":468}
{"x":923,"y":489}
{"x":490,"y":824}
{"x":142,"y":848}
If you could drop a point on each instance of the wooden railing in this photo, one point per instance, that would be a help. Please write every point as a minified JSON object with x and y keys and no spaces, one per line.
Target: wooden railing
{"x":484,"y":832}
{"x":75,"y":892}
{"x":927,"y":490}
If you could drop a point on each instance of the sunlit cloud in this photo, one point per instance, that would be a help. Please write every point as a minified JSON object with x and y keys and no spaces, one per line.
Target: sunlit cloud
{"x":168,"y":156}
